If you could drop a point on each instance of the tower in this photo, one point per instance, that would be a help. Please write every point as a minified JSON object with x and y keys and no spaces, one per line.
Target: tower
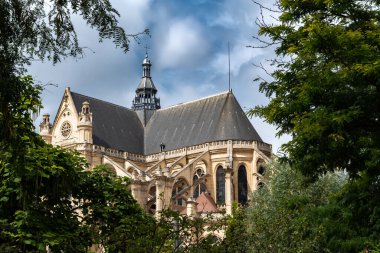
{"x":145,"y":102}
{"x":85,"y":124}
{"x":45,"y":128}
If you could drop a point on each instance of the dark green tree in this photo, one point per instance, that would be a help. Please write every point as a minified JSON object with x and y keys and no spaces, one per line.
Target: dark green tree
{"x":39,"y":29}
{"x":325,"y":90}
{"x":48,"y":199}
{"x":325,"y":93}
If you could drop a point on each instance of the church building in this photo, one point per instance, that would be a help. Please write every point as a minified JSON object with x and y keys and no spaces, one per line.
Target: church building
{"x":194,"y":157}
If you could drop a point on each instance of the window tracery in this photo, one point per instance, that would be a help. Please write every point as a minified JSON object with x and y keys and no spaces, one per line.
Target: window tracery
{"x":199,"y":187}
{"x":66,"y":129}
{"x":220,"y":185}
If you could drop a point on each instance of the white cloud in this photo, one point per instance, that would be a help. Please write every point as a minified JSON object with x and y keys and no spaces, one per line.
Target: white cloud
{"x":240,"y":55}
{"x":182,"y":43}
{"x":134,"y":15}
{"x":225,"y":19}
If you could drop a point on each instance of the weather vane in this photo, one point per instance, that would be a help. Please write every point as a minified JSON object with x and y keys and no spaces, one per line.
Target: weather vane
{"x":146,"y":48}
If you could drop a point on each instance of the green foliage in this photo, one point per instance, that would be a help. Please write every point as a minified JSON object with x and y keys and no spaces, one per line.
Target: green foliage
{"x":237,"y":237}
{"x":41,"y":29}
{"x":325,"y":89}
{"x":47,"y":197}
{"x":325,"y":93}
{"x":288,"y":215}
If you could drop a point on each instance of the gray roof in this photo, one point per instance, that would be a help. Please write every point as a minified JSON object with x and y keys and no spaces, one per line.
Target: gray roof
{"x":114,"y":126}
{"x":213,"y":118}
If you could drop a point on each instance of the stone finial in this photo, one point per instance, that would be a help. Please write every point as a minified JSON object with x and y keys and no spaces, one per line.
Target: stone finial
{"x":45,"y":124}
{"x":85,"y":114}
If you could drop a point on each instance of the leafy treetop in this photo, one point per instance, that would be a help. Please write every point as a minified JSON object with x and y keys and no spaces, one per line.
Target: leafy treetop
{"x":325,"y":90}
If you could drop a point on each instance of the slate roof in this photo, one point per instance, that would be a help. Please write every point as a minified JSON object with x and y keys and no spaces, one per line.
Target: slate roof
{"x":114,"y":126}
{"x":213,"y":118}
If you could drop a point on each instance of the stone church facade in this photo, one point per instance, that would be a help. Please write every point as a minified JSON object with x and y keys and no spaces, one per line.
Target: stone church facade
{"x":176,"y":157}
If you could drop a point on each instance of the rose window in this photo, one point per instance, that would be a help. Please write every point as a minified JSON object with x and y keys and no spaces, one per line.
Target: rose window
{"x":66,"y":129}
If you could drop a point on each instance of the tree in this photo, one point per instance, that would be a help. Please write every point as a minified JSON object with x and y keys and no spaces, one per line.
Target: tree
{"x":288,"y":215}
{"x":325,"y":93}
{"x":325,"y":90}
{"x":38,"y":29}
{"x":48,"y":199}
{"x":40,"y":185}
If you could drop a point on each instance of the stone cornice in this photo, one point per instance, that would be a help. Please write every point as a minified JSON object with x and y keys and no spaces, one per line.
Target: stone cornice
{"x":211,"y":146}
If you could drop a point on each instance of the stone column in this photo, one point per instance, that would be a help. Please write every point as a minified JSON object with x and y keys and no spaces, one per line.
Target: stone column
{"x":160,"y":191}
{"x":228,"y":189}
{"x":191,"y":207}
{"x":254,"y":170}
{"x":135,"y":186}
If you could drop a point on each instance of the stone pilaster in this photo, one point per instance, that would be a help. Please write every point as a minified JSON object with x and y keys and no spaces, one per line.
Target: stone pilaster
{"x":139,"y":191}
{"x":228,"y":189}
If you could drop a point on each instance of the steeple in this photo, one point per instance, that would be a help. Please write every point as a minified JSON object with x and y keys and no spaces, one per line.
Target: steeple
{"x":145,"y":102}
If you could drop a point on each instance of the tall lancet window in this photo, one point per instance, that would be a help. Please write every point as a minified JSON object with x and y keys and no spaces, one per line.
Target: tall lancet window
{"x":199,"y":187}
{"x":242,"y":185}
{"x":220,"y":185}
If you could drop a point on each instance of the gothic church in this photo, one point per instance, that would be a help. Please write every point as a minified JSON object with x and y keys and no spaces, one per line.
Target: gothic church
{"x":194,"y":157}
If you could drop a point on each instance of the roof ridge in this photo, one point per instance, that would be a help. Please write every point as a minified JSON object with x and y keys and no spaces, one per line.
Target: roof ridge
{"x":196,"y":100}
{"x":103,"y":101}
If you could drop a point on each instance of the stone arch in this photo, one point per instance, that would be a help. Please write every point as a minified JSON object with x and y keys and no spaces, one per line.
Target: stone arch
{"x":200,"y":164}
{"x":260,"y":168}
{"x":182,"y":178}
{"x":176,"y":168}
{"x":111,"y":168}
{"x":130,"y":170}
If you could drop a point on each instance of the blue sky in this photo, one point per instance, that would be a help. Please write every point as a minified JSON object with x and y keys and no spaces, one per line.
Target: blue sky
{"x":188,"y":50}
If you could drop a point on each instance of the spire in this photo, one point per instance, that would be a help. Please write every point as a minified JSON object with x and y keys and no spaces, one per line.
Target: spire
{"x":146,"y":66}
{"x":145,"y":102}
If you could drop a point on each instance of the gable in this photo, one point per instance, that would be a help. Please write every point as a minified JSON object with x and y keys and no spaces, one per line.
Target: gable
{"x":113,"y":126}
{"x":66,"y":114}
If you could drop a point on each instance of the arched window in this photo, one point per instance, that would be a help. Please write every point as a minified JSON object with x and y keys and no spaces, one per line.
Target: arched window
{"x":152,"y":200}
{"x":220,"y":184}
{"x":261,"y":169}
{"x":199,"y":187}
{"x":179,"y":192}
{"x":242,"y":185}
